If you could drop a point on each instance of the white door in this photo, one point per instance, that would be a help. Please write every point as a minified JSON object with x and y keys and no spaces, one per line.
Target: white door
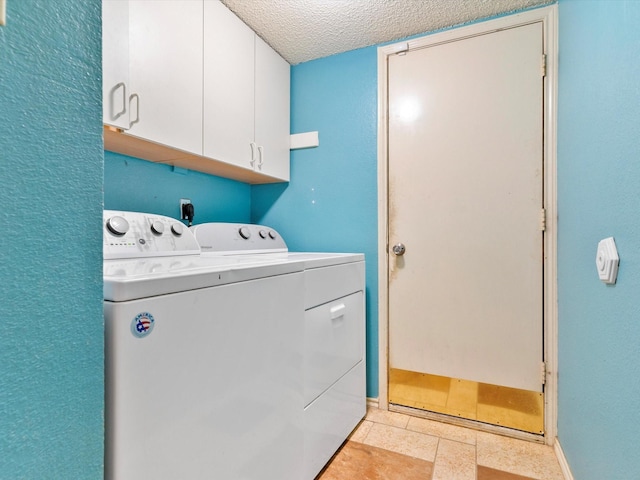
{"x":465,"y":198}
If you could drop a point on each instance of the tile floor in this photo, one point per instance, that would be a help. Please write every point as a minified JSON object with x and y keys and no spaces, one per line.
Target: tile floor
{"x":393,"y":446}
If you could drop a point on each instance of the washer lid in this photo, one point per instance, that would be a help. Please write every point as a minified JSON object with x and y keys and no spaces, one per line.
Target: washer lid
{"x":130,"y":279}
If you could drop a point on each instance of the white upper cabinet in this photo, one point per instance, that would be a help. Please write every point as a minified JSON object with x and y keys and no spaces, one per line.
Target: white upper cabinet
{"x":272,"y":89}
{"x":165,"y":64}
{"x":246,"y":96}
{"x":115,"y":63}
{"x":187,"y":83}
{"x":228,"y":86}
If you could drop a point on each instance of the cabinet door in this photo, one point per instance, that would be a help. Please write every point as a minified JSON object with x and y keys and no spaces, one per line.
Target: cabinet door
{"x":228,"y":86}
{"x":166,"y":72}
{"x":115,"y":63}
{"x":272,"y":111}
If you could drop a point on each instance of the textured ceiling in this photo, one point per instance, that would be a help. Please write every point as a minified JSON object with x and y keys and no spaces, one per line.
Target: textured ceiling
{"x":302,"y":30}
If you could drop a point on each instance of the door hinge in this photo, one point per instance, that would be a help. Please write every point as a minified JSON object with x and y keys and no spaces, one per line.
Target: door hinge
{"x":401,"y":48}
{"x":543,"y":373}
{"x":544,"y":65}
{"x":543,"y":220}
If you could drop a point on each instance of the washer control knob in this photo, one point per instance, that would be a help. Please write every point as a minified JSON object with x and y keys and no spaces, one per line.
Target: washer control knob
{"x":177,"y":229}
{"x":262,"y":234}
{"x":118,"y":225}
{"x":245,"y":233}
{"x":157,"y":227}
{"x":272,"y":235}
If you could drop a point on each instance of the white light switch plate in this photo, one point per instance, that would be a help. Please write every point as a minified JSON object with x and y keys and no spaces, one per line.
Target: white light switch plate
{"x":3,"y":12}
{"x":607,"y":260}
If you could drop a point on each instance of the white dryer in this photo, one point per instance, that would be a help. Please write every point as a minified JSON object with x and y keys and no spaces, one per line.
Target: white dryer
{"x":333,"y":337}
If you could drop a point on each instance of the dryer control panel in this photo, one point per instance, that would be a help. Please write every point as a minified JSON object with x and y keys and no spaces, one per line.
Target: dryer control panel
{"x":136,"y":235}
{"x":237,"y":238}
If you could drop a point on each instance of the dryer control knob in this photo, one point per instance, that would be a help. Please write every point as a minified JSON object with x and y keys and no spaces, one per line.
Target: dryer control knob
{"x":263,"y":234}
{"x":157,"y":227}
{"x":272,"y":235}
{"x":245,"y":233}
{"x":118,"y":225}
{"x":177,"y":229}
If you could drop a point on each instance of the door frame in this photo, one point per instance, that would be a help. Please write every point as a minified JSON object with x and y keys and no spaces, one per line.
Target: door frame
{"x":548,"y":16}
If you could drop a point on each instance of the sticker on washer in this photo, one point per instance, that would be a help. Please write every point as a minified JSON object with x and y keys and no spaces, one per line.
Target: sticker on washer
{"x":142,"y":325}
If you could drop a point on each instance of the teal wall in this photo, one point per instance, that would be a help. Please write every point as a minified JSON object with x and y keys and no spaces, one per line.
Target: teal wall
{"x":139,"y":186}
{"x":51,"y":325}
{"x":331,"y":203}
{"x":598,"y":197}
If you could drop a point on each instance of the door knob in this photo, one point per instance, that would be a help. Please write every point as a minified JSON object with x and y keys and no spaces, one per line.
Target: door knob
{"x":399,"y":249}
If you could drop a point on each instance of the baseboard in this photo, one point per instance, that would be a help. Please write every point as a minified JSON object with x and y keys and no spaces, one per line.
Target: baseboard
{"x":562,"y":460}
{"x":372,"y":402}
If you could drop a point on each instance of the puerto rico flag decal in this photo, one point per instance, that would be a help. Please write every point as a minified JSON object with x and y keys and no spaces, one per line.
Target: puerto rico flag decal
{"x":142,"y":325}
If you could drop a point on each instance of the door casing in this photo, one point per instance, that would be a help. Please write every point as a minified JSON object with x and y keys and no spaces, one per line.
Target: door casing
{"x":548,"y":16}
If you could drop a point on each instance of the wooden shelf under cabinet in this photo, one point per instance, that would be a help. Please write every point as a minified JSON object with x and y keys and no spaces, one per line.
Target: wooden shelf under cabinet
{"x":117,"y":141}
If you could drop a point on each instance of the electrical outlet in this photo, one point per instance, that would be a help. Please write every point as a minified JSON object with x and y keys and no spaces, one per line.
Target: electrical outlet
{"x":183,"y":201}
{"x":3,"y":12}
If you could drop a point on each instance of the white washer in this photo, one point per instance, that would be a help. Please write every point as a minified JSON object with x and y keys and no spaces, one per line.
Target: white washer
{"x":203,"y":358}
{"x":334,"y":376}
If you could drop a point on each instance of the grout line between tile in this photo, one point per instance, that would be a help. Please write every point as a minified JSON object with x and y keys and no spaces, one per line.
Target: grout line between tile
{"x":475,"y":449}
{"x":435,"y":459}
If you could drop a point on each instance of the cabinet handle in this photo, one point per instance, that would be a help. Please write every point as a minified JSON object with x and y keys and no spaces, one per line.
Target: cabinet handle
{"x":260,"y":156}
{"x":253,"y":154}
{"x":115,"y":115}
{"x":135,"y":95}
